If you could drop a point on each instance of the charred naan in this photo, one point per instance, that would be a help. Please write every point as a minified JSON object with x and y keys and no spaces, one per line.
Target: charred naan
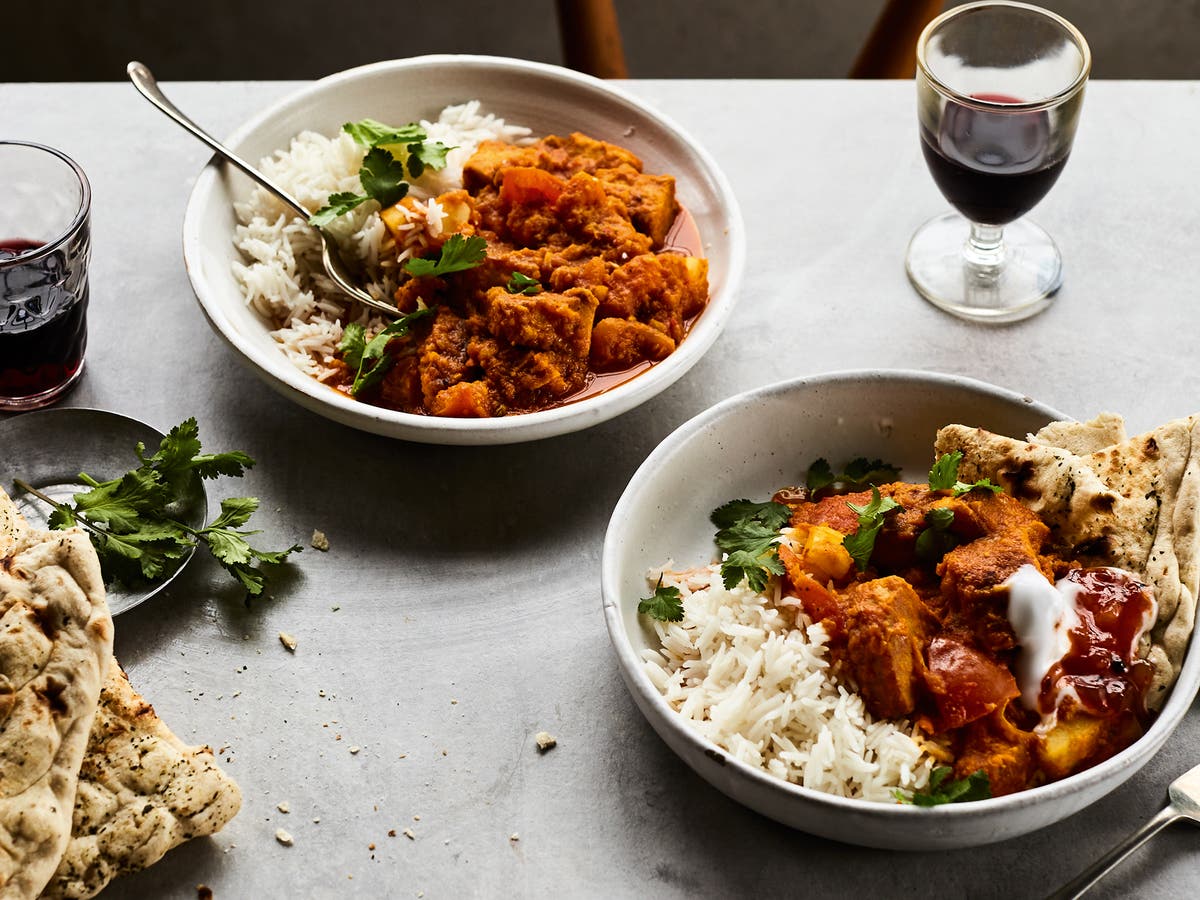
{"x":55,"y":647}
{"x":1134,"y":503}
{"x":141,"y":792}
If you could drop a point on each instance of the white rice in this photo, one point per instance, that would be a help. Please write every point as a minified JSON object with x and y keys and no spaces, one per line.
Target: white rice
{"x":281,"y":275}
{"x":760,"y":688}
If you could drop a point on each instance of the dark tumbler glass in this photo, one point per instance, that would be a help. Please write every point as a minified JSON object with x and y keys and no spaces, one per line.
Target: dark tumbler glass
{"x":45,"y":247}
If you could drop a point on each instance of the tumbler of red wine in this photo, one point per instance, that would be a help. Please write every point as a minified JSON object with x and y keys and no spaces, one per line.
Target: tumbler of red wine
{"x":45,"y":246}
{"x":999,"y":91}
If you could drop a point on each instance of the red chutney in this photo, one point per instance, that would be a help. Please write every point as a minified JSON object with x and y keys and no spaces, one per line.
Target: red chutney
{"x":1102,"y":668}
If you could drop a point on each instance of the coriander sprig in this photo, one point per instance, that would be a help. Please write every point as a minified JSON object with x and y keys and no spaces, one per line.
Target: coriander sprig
{"x":941,"y":789}
{"x":133,"y":519}
{"x":861,"y":544}
{"x":943,"y":476}
{"x":748,"y":534}
{"x":390,"y":152}
{"x":665,"y":604}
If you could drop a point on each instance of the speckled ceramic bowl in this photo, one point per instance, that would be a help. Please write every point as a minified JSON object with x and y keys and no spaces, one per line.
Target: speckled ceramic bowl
{"x":545,"y":98}
{"x":752,"y":444}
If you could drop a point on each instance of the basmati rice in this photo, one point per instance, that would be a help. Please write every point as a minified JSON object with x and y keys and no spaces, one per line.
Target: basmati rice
{"x":752,"y":675}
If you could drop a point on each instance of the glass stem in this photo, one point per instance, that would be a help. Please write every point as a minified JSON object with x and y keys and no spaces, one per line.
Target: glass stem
{"x":984,"y":250}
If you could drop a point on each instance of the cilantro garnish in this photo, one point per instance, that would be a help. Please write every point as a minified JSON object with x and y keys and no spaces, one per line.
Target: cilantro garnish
{"x":861,"y":544}
{"x":523,"y":284}
{"x":976,"y":786}
{"x":944,"y":477}
{"x":748,"y":533}
{"x":337,"y":205}
{"x":383,"y":167}
{"x":857,"y":474}
{"x":382,"y":180}
{"x":665,"y":604}
{"x":457,"y":255}
{"x":368,"y":358}
{"x":371,"y":133}
{"x":937,"y":540}
{"x":133,"y":519}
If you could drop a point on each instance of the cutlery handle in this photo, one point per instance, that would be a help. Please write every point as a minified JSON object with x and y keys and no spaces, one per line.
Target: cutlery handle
{"x":143,"y":79}
{"x":1085,"y":879}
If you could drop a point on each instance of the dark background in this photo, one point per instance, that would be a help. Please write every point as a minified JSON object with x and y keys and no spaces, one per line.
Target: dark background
{"x":57,"y":40}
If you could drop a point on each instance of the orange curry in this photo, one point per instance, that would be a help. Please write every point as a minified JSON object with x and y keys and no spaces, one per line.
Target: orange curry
{"x":580,"y":219}
{"x":930,"y":639}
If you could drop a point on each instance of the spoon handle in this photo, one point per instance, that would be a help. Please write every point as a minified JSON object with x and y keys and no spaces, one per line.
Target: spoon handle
{"x":143,"y":79}
{"x":1087,"y":878}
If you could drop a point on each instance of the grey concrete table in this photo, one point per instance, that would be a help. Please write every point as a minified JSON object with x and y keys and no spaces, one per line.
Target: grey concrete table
{"x":457,"y":611}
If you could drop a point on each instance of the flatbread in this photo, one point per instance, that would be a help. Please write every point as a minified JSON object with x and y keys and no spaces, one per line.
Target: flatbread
{"x":141,"y":792}
{"x":55,"y":646}
{"x":1134,"y":504}
{"x":1082,"y":438}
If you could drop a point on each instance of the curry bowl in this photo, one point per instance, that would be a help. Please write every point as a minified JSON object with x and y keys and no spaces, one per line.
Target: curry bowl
{"x":748,"y":447}
{"x":546,"y":99}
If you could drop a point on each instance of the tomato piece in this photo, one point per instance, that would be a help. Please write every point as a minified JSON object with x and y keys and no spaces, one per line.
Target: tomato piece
{"x":966,"y":684}
{"x":526,"y":185}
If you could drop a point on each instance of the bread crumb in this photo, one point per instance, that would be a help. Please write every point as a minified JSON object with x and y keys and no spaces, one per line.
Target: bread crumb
{"x":355,"y":749}
{"x":391,"y":832}
{"x":282,"y":807}
{"x":316,"y":820}
{"x":514,"y":837}
{"x":319,"y":541}
{"x":370,"y":846}
{"x":288,"y":641}
{"x":416,"y":818}
{"x":410,"y":834}
{"x":283,"y":837}
{"x":545,"y":741}
{"x":203,"y":892}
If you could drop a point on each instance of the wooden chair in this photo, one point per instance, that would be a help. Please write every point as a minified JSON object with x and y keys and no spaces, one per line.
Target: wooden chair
{"x":891,"y":48}
{"x":591,"y":38}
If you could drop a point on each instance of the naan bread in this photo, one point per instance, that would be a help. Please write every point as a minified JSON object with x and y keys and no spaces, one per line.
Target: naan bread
{"x":55,"y":646}
{"x":1082,"y":438}
{"x":1134,"y":504}
{"x":141,"y":792}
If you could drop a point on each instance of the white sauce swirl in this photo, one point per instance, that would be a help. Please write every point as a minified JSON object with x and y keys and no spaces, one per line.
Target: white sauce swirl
{"x":1042,"y":615}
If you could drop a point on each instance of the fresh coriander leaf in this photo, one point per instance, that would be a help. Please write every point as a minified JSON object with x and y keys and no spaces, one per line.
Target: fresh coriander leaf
{"x":944,"y":477}
{"x":353,"y":344}
{"x":861,"y":544}
{"x":235,"y":512}
{"x":382,"y":177}
{"x":233,"y":464}
{"x":856,"y":474}
{"x":275,"y":557}
{"x":523,"y":284}
{"x":457,"y":255}
{"x":373,"y":361}
{"x":227,"y":545}
{"x":773,"y":515}
{"x":371,"y":133}
{"x":873,"y":471}
{"x":119,"y":504}
{"x":936,"y":541}
{"x":61,"y":518}
{"x":819,"y":475}
{"x":337,"y":205}
{"x":755,"y":569}
{"x":748,"y":535}
{"x":426,"y":154}
{"x":976,"y":786}
{"x":944,"y":473}
{"x":665,"y":604}
{"x":983,"y":484}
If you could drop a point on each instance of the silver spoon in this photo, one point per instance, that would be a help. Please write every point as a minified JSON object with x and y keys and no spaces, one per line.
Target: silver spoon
{"x":1184,"y":795}
{"x":143,"y":79}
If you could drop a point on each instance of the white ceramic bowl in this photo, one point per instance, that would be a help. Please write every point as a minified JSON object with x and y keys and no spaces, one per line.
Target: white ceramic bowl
{"x":757,"y":442}
{"x":545,"y":98}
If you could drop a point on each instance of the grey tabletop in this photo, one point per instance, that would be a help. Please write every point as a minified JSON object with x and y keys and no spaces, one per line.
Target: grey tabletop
{"x":457,"y":610}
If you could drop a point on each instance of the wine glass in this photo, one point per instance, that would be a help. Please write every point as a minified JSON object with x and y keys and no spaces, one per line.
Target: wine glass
{"x":999,"y":90}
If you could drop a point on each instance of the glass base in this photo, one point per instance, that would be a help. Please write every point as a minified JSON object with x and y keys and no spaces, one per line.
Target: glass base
{"x":45,"y":398}
{"x":1021,"y":285}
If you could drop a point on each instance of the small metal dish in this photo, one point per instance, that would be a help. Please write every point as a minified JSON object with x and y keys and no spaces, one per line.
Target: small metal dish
{"x":48,"y":449}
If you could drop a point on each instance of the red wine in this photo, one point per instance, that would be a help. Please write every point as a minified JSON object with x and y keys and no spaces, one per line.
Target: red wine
{"x":43,"y":329}
{"x":993,"y":166}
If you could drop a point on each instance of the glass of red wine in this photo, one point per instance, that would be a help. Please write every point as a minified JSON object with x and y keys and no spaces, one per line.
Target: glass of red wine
{"x":999,"y":91}
{"x":45,"y":245}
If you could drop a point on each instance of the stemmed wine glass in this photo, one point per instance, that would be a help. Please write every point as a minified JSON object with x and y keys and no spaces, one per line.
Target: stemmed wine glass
{"x":999,"y":90}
